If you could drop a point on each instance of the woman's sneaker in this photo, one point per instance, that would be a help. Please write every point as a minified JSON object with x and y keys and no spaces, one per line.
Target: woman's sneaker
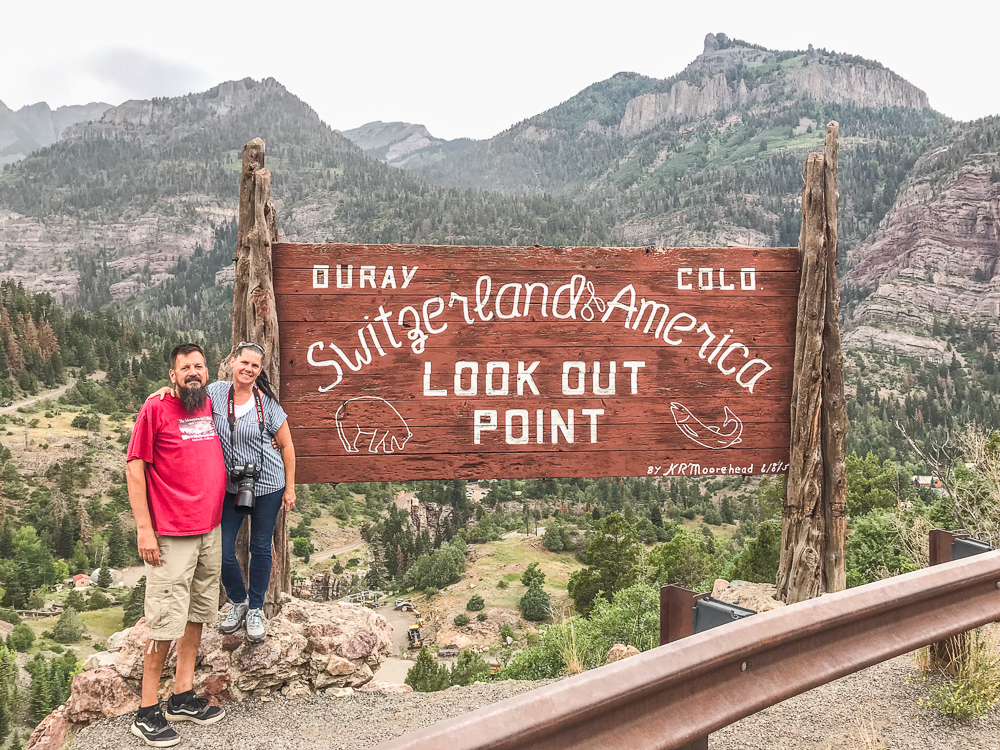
{"x":153,"y":729}
{"x":232,"y":621}
{"x":189,"y":707}
{"x":255,"y":625}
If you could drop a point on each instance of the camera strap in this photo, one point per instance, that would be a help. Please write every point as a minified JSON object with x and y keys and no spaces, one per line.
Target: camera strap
{"x":231,"y":418}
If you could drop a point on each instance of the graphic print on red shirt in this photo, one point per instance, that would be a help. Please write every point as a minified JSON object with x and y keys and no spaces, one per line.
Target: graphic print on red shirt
{"x":185,"y":471}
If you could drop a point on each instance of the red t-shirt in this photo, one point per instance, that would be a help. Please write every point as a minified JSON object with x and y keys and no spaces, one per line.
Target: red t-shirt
{"x":185,"y":471}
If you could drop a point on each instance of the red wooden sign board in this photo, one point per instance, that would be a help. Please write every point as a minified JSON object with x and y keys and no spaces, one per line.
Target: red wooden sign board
{"x":411,"y":362}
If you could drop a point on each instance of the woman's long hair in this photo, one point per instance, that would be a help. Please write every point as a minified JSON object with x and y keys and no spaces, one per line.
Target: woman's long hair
{"x":264,"y":385}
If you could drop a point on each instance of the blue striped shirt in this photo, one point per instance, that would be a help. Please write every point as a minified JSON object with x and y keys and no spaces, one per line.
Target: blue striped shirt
{"x":248,"y":437}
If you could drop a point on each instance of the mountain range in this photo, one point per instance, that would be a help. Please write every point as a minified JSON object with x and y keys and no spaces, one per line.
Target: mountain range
{"x":37,"y":125}
{"x":710,"y":156}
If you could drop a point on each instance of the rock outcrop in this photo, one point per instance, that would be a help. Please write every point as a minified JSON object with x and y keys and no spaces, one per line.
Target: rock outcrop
{"x":309,"y":647}
{"x":934,"y":256}
{"x":710,"y":94}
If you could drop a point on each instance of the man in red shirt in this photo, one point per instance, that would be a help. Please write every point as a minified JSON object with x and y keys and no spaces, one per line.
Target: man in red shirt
{"x":176,"y":480}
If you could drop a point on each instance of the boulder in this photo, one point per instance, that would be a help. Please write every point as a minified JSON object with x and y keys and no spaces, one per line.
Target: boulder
{"x":115,"y":640}
{"x":310,"y":647}
{"x":99,"y":694}
{"x":100,"y":659}
{"x":756,"y":596}
{"x":620,"y":651}
{"x":51,"y":733}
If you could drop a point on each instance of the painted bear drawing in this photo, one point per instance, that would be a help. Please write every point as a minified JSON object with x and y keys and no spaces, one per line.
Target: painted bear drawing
{"x":375,"y":418}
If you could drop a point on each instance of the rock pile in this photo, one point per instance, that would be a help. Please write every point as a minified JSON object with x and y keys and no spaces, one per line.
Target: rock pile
{"x":310,"y":647}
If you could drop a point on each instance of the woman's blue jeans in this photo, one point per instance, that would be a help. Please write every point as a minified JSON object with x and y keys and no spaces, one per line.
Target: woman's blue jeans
{"x":262,"y":519}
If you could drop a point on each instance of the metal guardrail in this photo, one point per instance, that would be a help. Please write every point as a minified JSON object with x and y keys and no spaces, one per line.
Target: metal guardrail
{"x":672,"y":696}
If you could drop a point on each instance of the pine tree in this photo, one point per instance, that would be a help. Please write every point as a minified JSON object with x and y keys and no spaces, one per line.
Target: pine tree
{"x":68,"y":629}
{"x":117,"y":545}
{"x":535,"y":603}
{"x":40,"y":703}
{"x":135,"y":607}
{"x":104,"y":577}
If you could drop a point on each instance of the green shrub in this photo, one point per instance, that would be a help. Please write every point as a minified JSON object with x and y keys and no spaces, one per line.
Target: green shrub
{"x":469,"y":668}
{"x":427,"y":675}
{"x":535,"y":603}
{"x":475,"y":604}
{"x":532,"y":573}
{"x":976,"y":686}
{"x":461,"y":620}
{"x":502,"y":584}
{"x":482,"y":616}
{"x":21,"y":638}
{"x":758,"y":562}
{"x":135,"y":607}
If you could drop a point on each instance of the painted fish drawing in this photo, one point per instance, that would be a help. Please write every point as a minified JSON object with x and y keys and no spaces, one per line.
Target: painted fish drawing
{"x":708,"y":436}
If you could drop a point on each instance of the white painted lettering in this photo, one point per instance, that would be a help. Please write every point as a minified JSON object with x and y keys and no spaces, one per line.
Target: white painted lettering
{"x":753,"y":381}
{"x":483,"y":296}
{"x":341,"y":284}
{"x":598,"y":390}
{"x":593,"y":414}
{"x":748,"y":279}
{"x":408,"y":277}
{"x":616,"y":303}
{"x":389,"y":279}
{"x":473,"y":368}
{"x":324,"y":363}
{"x":634,"y":367}
{"x":579,"y":388}
{"x":558,"y":425}
{"x":366,"y":273}
{"x":681,"y":273}
{"x":524,"y":378}
{"x":504,"y":389}
{"x":722,"y":281}
{"x":521,"y":414}
{"x":383,"y":318}
{"x":465,"y":306}
{"x":673,"y":324}
{"x":729,"y":350}
{"x":517,"y":298}
{"x":429,"y":315}
{"x":705,"y":279}
{"x":483,"y":420}
{"x":428,"y":391}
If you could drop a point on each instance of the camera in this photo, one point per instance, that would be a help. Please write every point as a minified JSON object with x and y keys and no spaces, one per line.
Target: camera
{"x":246,"y":477}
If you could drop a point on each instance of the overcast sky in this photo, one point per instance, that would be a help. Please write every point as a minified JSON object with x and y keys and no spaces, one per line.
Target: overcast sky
{"x":464,"y":68}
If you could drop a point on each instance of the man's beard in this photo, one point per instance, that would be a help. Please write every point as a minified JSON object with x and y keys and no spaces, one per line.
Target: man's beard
{"x":193,"y":397}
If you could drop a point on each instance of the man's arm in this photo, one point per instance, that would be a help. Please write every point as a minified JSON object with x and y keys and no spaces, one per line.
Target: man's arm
{"x":135,"y":479}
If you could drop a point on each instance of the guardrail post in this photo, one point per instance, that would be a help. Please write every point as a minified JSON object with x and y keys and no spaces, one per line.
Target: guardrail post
{"x":677,"y":612}
{"x":676,"y":622}
{"x":944,"y":654}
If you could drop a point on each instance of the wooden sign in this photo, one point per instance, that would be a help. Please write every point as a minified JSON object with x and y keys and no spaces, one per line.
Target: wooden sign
{"x":408,"y":362}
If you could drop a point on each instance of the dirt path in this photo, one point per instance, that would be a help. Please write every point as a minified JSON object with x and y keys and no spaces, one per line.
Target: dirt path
{"x":337,"y":551}
{"x":54,"y":393}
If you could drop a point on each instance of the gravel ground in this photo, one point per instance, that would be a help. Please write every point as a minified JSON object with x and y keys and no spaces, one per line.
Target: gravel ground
{"x":314,"y":723}
{"x":880,"y":701}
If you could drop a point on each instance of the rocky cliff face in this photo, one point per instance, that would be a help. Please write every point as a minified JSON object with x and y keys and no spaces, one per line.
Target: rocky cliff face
{"x":935,"y":255}
{"x":392,"y":142}
{"x":712,"y":94}
{"x":150,"y":119}
{"x":37,"y":125}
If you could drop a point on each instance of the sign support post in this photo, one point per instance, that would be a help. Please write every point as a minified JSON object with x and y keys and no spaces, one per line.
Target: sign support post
{"x":255,"y":319}
{"x":814,"y":514}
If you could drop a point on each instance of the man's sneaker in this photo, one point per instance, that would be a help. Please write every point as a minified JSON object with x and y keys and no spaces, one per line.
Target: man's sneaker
{"x":232,"y":621}
{"x":255,"y":625}
{"x":193,"y":709}
{"x":154,"y":730}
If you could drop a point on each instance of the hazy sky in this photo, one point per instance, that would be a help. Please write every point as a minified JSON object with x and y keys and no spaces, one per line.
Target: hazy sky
{"x":464,"y":68}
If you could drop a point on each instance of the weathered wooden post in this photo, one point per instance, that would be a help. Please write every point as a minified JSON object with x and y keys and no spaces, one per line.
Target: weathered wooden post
{"x":255,"y":319}
{"x":814,"y":517}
